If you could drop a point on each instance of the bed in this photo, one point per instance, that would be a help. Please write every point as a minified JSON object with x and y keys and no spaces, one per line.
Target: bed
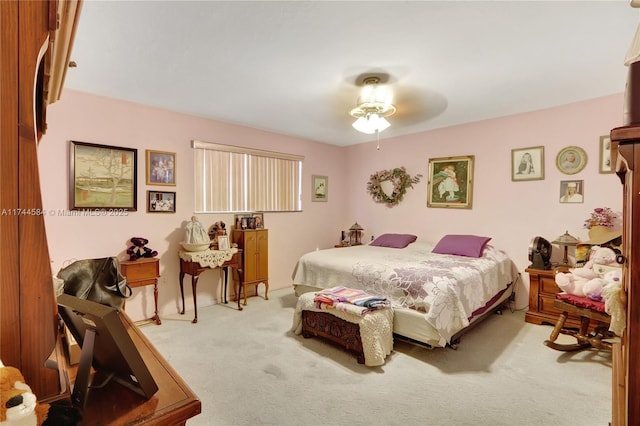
{"x":436,"y":295}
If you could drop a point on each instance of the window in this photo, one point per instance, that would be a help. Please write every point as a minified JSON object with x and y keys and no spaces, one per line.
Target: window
{"x":234,"y":179}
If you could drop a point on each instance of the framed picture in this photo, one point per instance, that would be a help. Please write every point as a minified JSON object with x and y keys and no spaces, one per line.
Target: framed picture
{"x":258,"y":220}
{"x":319,"y":188}
{"x":571,"y":160}
{"x":450,"y":182}
{"x":527,"y":163}
{"x":161,"y":202}
{"x":571,"y":191}
{"x":102,"y":177}
{"x":161,"y":168}
{"x":606,"y":164}
{"x":238,"y":221}
{"x":223,"y":242}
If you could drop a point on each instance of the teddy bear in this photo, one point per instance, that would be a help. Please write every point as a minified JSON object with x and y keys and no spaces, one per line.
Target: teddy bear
{"x":588,"y":280}
{"x":19,"y":406}
{"x":139,"y":250}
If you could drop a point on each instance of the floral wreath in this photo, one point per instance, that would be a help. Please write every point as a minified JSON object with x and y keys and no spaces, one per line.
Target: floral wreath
{"x":401,"y":181}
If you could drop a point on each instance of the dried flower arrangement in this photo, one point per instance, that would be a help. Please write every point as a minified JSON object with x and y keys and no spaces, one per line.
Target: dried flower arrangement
{"x":601,"y":216}
{"x":400,"y":179}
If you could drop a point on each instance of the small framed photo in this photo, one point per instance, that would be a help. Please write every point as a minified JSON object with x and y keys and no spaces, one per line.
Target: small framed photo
{"x":450,"y":182}
{"x":258,"y":220}
{"x":571,"y":160}
{"x":320,"y":188}
{"x":606,"y":163}
{"x":161,"y":168}
{"x":240,"y":220}
{"x":223,"y":242}
{"x":527,"y":163}
{"x":571,"y":191}
{"x":102,"y":177}
{"x":161,"y":202}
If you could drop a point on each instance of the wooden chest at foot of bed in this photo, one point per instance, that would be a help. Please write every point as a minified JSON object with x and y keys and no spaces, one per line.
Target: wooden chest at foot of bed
{"x":334,"y":329}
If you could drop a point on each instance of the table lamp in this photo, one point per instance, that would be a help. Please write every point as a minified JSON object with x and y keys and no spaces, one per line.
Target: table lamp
{"x":566,"y":240}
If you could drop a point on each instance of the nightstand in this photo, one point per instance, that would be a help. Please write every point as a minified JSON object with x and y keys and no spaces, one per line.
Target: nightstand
{"x":542,"y":293}
{"x":142,"y":272}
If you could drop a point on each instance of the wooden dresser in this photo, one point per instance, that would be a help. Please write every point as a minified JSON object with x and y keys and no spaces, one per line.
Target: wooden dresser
{"x":626,"y":354}
{"x":255,"y":247}
{"x":542,"y":292}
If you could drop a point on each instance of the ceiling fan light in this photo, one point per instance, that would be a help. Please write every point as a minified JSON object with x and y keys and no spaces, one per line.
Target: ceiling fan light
{"x":382,"y":124}
{"x":363,"y":126}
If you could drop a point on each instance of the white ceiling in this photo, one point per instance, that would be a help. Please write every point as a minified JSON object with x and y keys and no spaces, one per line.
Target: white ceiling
{"x":291,"y":67}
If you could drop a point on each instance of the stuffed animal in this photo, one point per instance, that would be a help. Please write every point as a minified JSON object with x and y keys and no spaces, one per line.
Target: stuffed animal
{"x":139,"y":250}
{"x":587,"y":280}
{"x":19,"y":406}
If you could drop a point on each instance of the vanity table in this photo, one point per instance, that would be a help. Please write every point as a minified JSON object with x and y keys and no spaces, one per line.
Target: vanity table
{"x":194,"y":263}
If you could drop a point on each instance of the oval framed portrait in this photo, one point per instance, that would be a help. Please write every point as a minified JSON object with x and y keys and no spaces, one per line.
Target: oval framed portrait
{"x":571,"y":160}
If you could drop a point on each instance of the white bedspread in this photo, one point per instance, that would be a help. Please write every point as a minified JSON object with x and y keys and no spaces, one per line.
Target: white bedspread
{"x":447,"y":288}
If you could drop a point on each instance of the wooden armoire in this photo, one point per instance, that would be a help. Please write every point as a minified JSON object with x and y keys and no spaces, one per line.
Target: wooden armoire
{"x":35,"y":44}
{"x":626,"y":354}
{"x":255,"y":258}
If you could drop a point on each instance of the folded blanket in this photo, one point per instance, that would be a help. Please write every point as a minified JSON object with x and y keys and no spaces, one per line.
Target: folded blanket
{"x":349,"y":300}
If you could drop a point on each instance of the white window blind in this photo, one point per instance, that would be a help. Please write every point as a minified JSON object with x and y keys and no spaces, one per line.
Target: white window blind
{"x":234,"y":179}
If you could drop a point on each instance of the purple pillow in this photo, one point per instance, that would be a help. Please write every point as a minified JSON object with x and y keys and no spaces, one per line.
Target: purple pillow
{"x":393,"y":240}
{"x":462,"y":245}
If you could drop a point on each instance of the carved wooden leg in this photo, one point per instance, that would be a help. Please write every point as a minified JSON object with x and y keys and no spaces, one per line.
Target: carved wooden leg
{"x":156,"y":317}
{"x":194,"y":284}
{"x":182,"y":291}
{"x":558,"y":327}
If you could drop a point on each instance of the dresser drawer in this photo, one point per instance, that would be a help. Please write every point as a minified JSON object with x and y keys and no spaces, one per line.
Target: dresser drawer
{"x":548,"y":285}
{"x":140,"y":269}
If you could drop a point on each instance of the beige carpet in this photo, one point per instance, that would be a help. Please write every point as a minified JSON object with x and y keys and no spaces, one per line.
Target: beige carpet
{"x":249,"y":369}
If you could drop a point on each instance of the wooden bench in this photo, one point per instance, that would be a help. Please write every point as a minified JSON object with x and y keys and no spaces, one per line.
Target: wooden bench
{"x":369,"y":337}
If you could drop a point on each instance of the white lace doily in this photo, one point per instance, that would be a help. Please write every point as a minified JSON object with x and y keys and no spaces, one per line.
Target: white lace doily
{"x":208,"y":258}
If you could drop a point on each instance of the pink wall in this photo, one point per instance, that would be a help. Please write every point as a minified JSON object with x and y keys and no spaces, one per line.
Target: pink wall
{"x":87,"y":118}
{"x":510,"y":212}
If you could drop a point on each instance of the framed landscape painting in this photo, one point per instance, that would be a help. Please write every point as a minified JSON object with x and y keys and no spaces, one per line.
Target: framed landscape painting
{"x":450,"y":182}
{"x":102,"y":177}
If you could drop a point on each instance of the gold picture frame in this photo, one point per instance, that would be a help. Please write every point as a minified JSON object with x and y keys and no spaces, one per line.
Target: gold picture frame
{"x":571,"y":160}
{"x":605,"y":164}
{"x":572,"y":191}
{"x":319,"y":188}
{"x":450,"y":182}
{"x":160,"y":168}
{"x":527,"y":163}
